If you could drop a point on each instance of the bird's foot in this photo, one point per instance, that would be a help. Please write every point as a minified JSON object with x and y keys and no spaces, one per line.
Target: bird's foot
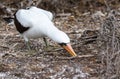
{"x":30,"y":52}
{"x":50,"y":48}
{"x":27,"y":43}
{"x":46,"y":48}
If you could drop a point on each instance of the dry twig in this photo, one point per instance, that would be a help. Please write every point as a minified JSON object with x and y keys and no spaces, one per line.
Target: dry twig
{"x":76,"y":57}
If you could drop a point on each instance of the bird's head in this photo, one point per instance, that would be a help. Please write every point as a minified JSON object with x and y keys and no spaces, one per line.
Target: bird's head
{"x":68,"y":47}
{"x":63,"y":40}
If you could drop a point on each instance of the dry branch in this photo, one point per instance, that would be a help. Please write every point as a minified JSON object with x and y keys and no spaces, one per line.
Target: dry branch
{"x":110,"y":48}
{"x":76,"y":57}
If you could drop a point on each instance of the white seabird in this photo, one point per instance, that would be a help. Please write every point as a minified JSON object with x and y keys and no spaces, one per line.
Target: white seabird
{"x":36,"y":23}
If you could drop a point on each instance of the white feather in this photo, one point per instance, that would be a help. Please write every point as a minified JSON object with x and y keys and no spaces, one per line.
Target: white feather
{"x":39,"y":10}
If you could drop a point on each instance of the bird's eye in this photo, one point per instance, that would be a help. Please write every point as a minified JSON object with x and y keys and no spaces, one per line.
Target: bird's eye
{"x":27,"y":7}
{"x":62,"y":44}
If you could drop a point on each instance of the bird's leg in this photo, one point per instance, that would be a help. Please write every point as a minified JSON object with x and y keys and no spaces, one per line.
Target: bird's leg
{"x":27,"y":43}
{"x":45,"y":40}
{"x":46,"y":44}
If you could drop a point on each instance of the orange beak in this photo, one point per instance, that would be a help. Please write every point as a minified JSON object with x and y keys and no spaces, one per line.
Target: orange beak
{"x":70,"y":50}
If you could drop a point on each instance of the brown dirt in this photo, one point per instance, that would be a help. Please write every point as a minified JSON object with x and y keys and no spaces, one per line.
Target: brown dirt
{"x":82,"y":24}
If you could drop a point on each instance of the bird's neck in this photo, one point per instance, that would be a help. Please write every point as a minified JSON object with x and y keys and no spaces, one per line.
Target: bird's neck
{"x":53,"y":33}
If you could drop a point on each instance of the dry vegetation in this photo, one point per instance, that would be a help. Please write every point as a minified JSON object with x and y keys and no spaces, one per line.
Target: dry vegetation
{"x":92,"y":25}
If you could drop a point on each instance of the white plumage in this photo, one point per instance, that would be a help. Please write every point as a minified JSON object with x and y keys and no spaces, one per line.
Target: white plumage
{"x":39,"y":24}
{"x":38,"y":10}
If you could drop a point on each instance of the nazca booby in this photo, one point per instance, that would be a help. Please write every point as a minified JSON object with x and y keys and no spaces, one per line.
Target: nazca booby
{"x":35,"y":22}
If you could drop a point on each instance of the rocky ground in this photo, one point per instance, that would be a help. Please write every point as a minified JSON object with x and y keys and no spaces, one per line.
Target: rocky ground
{"x":17,"y":62}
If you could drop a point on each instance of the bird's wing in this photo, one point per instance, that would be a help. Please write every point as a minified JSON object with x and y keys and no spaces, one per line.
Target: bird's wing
{"x":39,"y":10}
{"x":24,"y":18}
